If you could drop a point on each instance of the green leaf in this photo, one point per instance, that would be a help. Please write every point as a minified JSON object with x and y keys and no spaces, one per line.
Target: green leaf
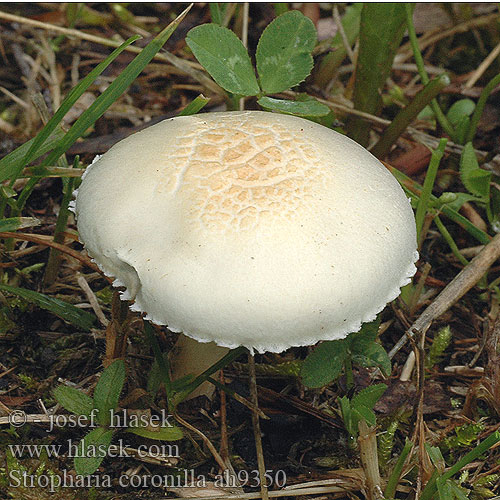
{"x":15,"y":223}
{"x":223,"y":55}
{"x":366,"y":336}
{"x":73,"y":400}
{"x":381,"y":30}
{"x":325,"y":363}
{"x":459,"y":117}
{"x":92,"y":450}
{"x":475,"y":179}
{"x":297,"y":108}
{"x":108,"y":389}
{"x":436,"y":457}
{"x":460,"y":109}
{"x":155,"y":377}
{"x":364,"y":413}
{"x":444,"y":490}
{"x":65,"y":311}
{"x":284,"y":52}
{"x":347,"y":417}
{"x":374,"y":355}
{"x":369,"y":396}
{"x":163,"y":433}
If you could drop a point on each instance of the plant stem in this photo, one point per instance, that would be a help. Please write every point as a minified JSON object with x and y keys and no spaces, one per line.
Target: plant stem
{"x":348,"y":372}
{"x":256,"y":428}
{"x":441,"y":118}
{"x":480,"y":107}
{"x":425,"y":196}
{"x":414,"y":189}
{"x":449,"y":239}
{"x":160,"y":359}
{"x":408,"y":114}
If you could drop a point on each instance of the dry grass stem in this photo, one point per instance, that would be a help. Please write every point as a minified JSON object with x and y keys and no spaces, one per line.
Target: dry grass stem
{"x":456,"y":289}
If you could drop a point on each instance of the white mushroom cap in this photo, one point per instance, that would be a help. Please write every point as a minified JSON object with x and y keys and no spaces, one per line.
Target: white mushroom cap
{"x":249,"y":228}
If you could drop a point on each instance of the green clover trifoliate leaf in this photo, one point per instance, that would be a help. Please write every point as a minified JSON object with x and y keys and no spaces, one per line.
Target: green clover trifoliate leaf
{"x":223,"y":55}
{"x":284,"y":52}
{"x":297,"y":108}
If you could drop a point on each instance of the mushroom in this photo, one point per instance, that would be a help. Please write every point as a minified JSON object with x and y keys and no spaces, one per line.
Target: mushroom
{"x":248,"y":228}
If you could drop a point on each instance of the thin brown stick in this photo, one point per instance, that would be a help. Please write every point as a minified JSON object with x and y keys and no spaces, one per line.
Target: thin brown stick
{"x":207,"y":441}
{"x":256,"y":427}
{"x":224,"y":441}
{"x":42,"y":240}
{"x":478,"y":73}
{"x":456,"y":289}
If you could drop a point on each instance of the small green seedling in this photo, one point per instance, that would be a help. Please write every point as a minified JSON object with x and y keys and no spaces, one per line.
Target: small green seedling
{"x":93,"y":448}
{"x":359,"y":408}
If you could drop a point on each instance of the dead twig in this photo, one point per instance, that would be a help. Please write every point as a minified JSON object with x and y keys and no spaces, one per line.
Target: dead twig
{"x":256,"y":427}
{"x":456,"y":289}
{"x":47,"y":241}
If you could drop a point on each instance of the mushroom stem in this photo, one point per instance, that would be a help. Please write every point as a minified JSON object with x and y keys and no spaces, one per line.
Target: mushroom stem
{"x":190,"y":357}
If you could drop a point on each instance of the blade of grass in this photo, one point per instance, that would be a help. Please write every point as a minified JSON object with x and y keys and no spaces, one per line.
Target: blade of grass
{"x":195,"y":106}
{"x":68,"y":103}
{"x":392,"y":483}
{"x":9,"y":163}
{"x":431,"y":487}
{"x":67,"y":312}
{"x":440,"y":116}
{"x":430,"y":178}
{"x":408,"y":114}
{"x":331,"y":62}
{"x":15,"y":223}
{"x":107,"y":98}
{"x":382,"y":27}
